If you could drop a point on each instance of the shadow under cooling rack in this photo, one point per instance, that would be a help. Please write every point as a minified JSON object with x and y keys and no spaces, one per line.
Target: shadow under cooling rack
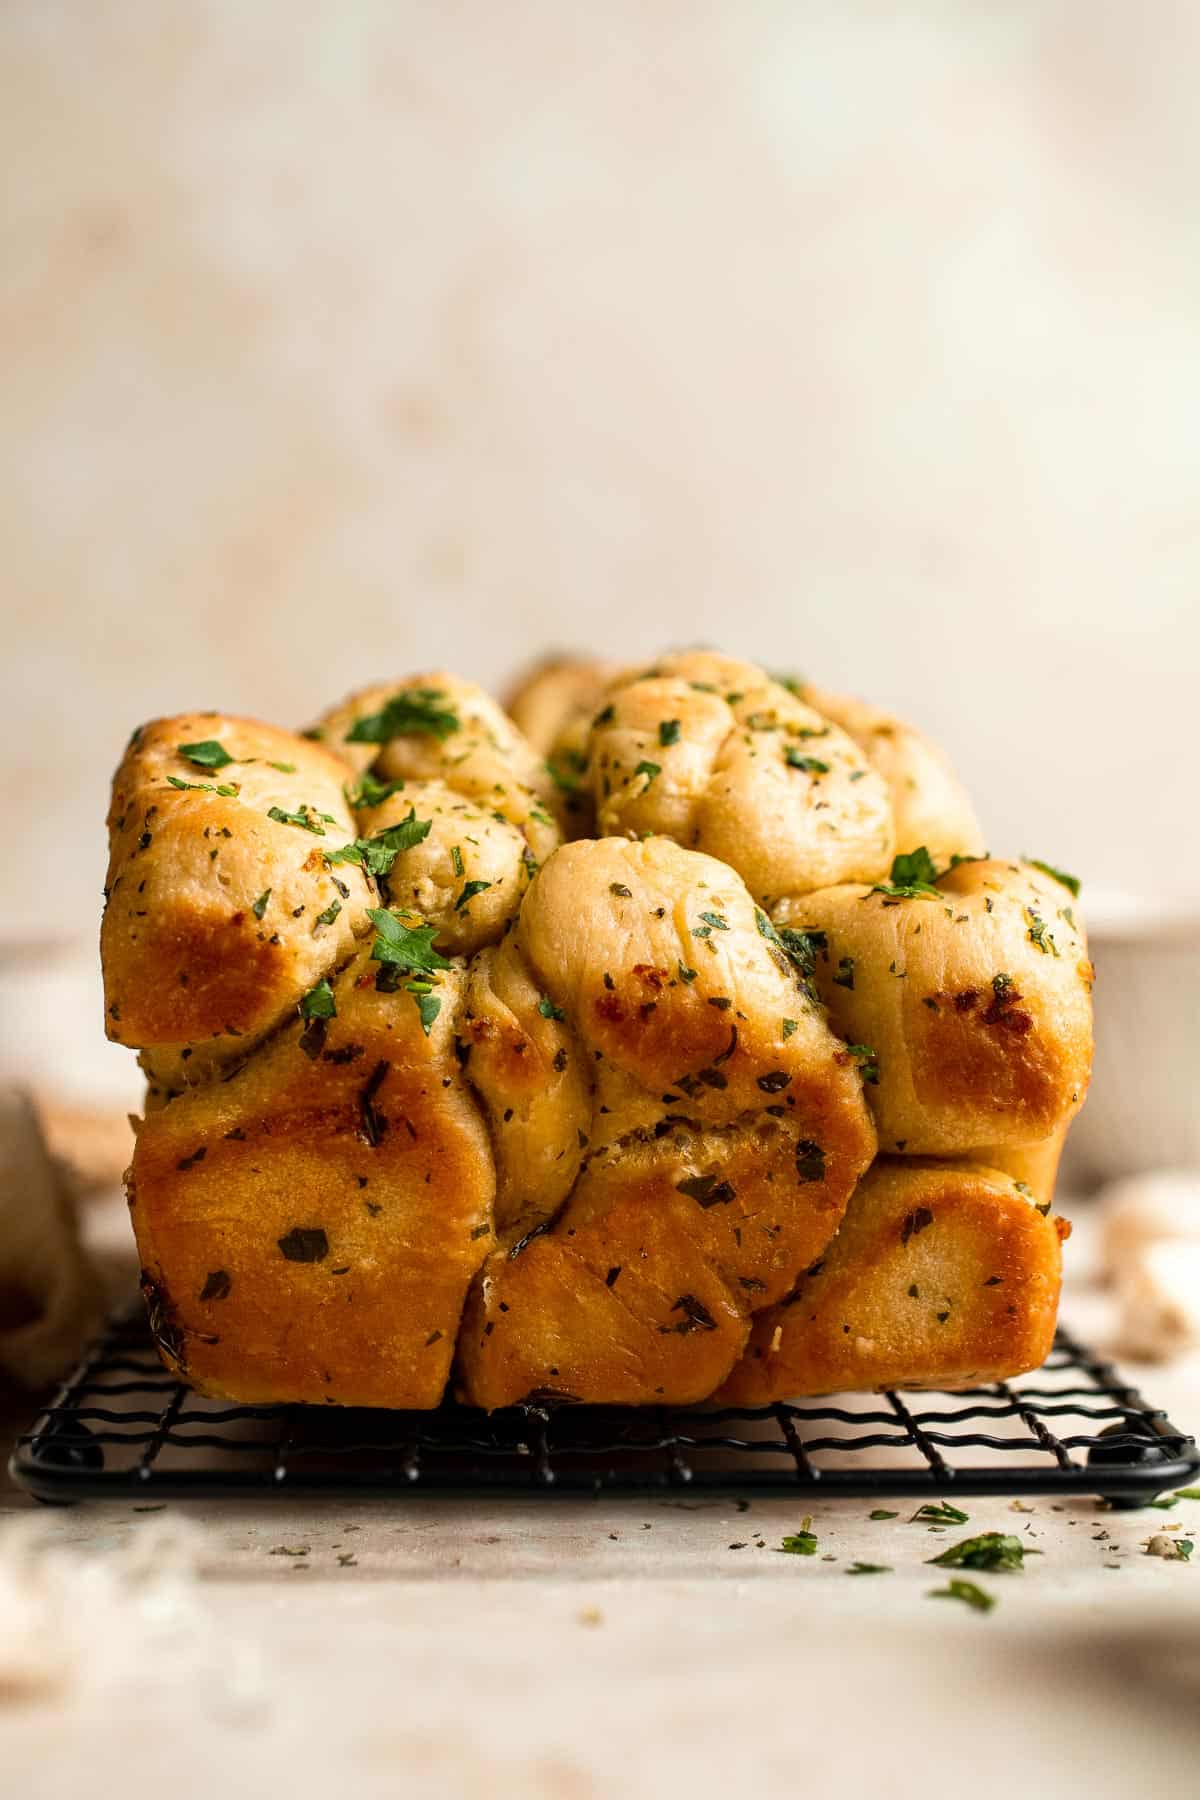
{"x":122,"y":1426}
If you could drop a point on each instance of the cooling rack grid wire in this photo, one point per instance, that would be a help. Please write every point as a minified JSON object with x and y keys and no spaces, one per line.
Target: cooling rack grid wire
{"x":122,"y":1426}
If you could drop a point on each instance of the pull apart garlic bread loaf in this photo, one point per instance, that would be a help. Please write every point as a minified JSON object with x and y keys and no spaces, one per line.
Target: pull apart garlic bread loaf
{"x":440,"y":1102}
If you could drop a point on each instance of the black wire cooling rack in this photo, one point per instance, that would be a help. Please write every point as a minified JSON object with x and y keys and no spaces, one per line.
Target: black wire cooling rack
{"x":122,"y":1426}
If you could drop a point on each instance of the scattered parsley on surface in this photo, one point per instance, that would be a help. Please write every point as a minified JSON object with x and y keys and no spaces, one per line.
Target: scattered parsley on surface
{"x":939,"y":1513}
{"x":996,"y":1550}
{"x":967,"y":1592}
{"x":801,"y":1543}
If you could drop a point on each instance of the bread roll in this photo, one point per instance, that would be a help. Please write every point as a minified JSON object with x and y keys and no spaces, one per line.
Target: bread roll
{"x":555,"y":701}
{"x":930,"y":806}
{"x":438,"y":728}
{"x":437,"y":1098}
{"x":943,"y":1275}
{"x":970,"y":1004}
{"x":725,"y":1130}
{"x":221,"y":907}
{"x":714,"y":754}
{"x":554,"y":705}
{"x":308,"y":1229}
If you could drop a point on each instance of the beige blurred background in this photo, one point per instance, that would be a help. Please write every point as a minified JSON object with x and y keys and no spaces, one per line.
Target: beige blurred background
{"x":862,"y":338}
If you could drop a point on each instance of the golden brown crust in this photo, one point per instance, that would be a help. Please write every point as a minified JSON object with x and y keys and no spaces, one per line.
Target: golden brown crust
{"x":976,"y":1004}
{"x":725,"y":1129}
{"x":218,"y":917}
{"x":941,"y":1276}
{"x":590,"y":1157}
{"x":308,"y":1229}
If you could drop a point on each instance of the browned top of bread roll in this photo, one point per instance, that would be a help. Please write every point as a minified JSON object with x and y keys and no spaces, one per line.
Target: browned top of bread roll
{"x":221,"y":906}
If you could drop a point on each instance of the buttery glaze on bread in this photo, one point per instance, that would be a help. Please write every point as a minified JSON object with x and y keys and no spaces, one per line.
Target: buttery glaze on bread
{"x":439,"y":1101}
{"x":710,"y":1154}
{"x":308,"y":1228}
{"x":221,"y":908}
{"x":974,"y":997}
{"x":942,"y":1275}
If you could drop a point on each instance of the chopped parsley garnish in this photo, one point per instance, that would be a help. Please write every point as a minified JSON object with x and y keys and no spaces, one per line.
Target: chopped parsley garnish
{"x":330,"y":913}
{"x":620,"y":890}
{"x":967,"y":1592}
{"x":402,"y":946}
{"x":456,"y":860}
{"x":810,"y":1161}
{"x":470,"y":889}
{"x":566,"y":769}
{"x":319,"y":1003}
{"x":428,"y":1008}
{"x":796,"y":759}
{"x":649,"y":769}
{"x":371,"y":792}
{"x":803,"y":948}
{"x":260,"y":905}
{"x":793,"y":683}
{"x":1039,"y":933}
{"x":1070,"y":882}
{"x":416,"y":711}
{"x":790,"y":1025}
{"x":226,"y":790}
{"x":548,"y":1009}
{"x":939,"y":1513}
{"x":912,"y":877}
{"x":716,"y":920}
{"x":800,"y":947}
{"x":376,"y":854}
{"x":881,"y":1512}
{"x":865,"y":1568}
{"x":996,"y":1550}
{"x":801,"y":1543}
{"x":306,"y":817}
{"x":284,"y":768}
{"x":668,"y":732}
{"x":868,"y":1062}
{"x":845,"y":973}
{"x":686,"y":974}
{"x":208,"y":754}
